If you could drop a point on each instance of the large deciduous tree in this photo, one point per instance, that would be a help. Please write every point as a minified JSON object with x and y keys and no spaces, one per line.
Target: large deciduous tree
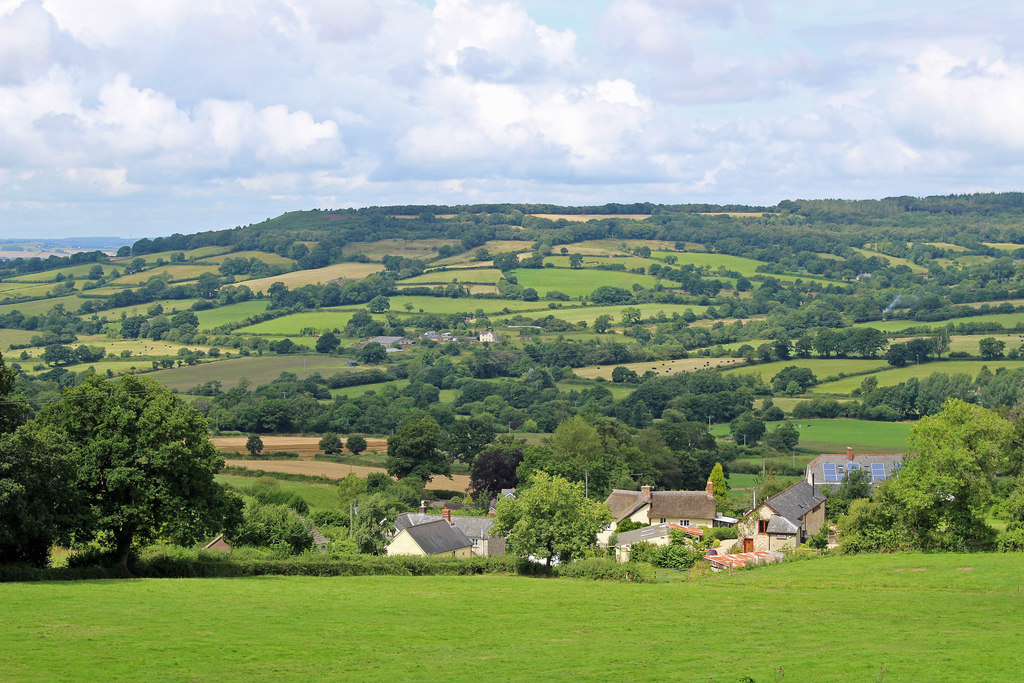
{"x":145,"y":465}
{"x":944,"y":489}
{"x":39,"y":502}
{"x":550,"y":520}
{"x":414,"y":451}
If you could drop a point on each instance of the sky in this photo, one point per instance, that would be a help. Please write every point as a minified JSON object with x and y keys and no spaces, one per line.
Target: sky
{"x":133,"y":119}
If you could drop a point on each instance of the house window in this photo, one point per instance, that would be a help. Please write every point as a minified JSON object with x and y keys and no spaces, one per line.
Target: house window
{"x":684,"y":522}
{"x":781,"y":537}
{"x":662,"y":520}
{"x":762,"y":526}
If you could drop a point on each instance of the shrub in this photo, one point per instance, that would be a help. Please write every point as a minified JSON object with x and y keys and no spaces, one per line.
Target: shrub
{"x":721,"y":533}
{"x":605,"y":569}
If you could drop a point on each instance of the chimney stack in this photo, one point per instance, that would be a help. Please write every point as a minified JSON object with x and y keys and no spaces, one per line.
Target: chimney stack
{"x":710,"y":488}
{"x":849,"y":453}
{"x":423,"y":507}
{"x":447,"y":514}
{"x":645,"y":491}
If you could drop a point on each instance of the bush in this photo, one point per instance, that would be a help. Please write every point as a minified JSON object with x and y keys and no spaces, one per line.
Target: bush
{"x":721,"y":533}
{"x":605,"y":569}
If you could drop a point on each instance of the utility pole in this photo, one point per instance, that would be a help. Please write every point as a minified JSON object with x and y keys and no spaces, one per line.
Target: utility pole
{"x":709,"y":422}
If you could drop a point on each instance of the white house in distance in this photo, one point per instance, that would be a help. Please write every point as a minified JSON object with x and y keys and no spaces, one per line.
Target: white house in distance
{"x":489,"y":335}
{"x":829,"y":469}
{"x":683,"y":508}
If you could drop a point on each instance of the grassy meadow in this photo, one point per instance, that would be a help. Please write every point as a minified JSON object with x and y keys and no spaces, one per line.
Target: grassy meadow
{"x":256,"y":369}
{"x":576,"y":283}
{"x":890,"y":375}
{"x":903,"y":617}
{"x":300,"y":278}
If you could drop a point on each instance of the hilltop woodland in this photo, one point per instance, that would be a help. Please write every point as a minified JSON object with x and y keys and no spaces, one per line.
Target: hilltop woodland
{"x":635,"y":344}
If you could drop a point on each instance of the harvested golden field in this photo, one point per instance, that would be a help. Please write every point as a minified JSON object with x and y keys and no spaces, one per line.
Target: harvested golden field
{"x":316,"y":276}
{"x":419,"y":249}
{"x":662,"y":367}
{"x":305,"y":446}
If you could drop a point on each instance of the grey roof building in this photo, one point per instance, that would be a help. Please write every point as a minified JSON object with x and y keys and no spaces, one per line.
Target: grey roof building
{"x":438,"y":537}
{"x":831,"y":468}
{"x":476,"y":529}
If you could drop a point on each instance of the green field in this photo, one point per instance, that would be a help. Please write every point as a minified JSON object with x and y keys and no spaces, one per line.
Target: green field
{"x":179,"y":272}
{"x":19,"y":290}
{"x":78,"y":272}
{"x":257,"y":369}
{"x":903,"y":617}
{"x":361,"y":389}
{"x":822,"y":367}
{"x":890,"y":376}
{"x":833,"y":436}
{"x":317,"y":496}
{"x":1008,"y":320}
{"x":201,"y":252}
{"x":445,"y":277}
{"x":893,"y":260}
{"x":169,"y":306}
{"x":215,"y":317}
{"x":271,"y":259}
{"x":8,"y":337}
{"x":574,"y":313}
{"x":592,"y":261}
{"x":322,"y":321}
{"x":574,"y":283}
{"x":41,"y":306}
{"x":436,"y":304}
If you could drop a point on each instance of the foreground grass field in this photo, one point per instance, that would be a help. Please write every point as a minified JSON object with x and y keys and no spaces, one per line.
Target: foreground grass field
{"x":865,"y":618}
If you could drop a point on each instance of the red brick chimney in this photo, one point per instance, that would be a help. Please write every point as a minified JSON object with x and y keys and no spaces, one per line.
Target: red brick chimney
{"x":645,"y":491}
{"x":849,"y":453}
{"x":710,"y":488}
{"x":447,"y":514}
{"x":423,"y":507}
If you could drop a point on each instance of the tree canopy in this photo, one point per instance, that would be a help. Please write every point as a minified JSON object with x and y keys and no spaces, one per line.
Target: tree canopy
{"x":551,"y":520}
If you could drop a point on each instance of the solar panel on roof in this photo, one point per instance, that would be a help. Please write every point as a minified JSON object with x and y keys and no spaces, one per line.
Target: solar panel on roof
{"x":830,"y":472}
{"x":854,"y":466}
{"x":877,"y":471}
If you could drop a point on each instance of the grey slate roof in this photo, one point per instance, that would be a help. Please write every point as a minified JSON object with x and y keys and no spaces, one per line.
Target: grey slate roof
{"x":781,"y":525}
{"x":816,"y":466}
{"x":438,"y":537}
{"x":647,"y":533}
{"x":472,"y":527}
{"x":796,"y":501}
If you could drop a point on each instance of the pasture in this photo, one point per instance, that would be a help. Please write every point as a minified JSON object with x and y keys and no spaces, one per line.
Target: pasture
{"x":179,"y":272}
{"x":169,"y":306}
{"x":316,"y":276}
{"x":890,"y":376}
{"x":443,"y":305}
{"x":215,"y":317}
{"x":322,"y":321}
{"x":584,"y":217}
{"x":78,"y":272}
{"x":8,"y":337}
{"x":20,"y":290}
{"x":424,"y":250}
{"x":270,"y":258}
{"x":902,"y":617}
{"x":41,"y":306}
{"x":661,"y":367}
{"x":821,"y":367}
{"x":256,"y":369}
{"x":445,"y":277}
{"x":317,"y":496}
{"x":576,"y":283}
{"x":744,"y":266}
{"x":201,"y":252}
{"x":589,"y":314}
{"x":833,"y":436}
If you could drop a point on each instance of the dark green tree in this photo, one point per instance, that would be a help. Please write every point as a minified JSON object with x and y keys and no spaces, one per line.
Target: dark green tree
{"x":356,"y":444}
{"x":415,"y":451}
{"x":145,"y":465}
{"x":39,"y":499}
{"x":327,"y":343}
{"x":254,"y":444}
{"x":330,"y":444}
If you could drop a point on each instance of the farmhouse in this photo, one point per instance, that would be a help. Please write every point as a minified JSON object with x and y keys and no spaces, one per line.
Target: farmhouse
{"x":433,"y":538}
{"x":476,"y":529}
{"x":830,"y":469}
{"x":387,"y":342}
{"x":489,"y":335}
{"x":683,"y":508}
{"x":783,"y":521}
